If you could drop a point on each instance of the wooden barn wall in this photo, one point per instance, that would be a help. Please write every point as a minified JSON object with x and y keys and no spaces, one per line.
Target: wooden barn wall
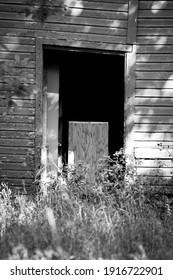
{"x":154,"y":88}
{"x":94,"y":24}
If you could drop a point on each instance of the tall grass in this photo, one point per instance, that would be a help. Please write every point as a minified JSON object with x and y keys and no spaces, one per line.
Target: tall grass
{"x":108,"y":217}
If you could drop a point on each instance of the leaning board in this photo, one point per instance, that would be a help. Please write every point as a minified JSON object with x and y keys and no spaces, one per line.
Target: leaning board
{"x":88,"y":142}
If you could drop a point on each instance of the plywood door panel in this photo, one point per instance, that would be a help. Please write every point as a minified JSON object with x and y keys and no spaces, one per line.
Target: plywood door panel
{"x":88,"y":141}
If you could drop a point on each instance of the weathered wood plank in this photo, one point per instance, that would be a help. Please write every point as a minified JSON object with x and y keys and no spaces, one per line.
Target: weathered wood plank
{"x":146,"y":110}
{"x":11,"y":56}
{"x":10,"y":30}
{"x":154,"y":58}
{"x":17,"y":174}
{"x":5,"y":158}
{"x":12,"y":1}
{"x":87,"y":13}
{"x":16,"y":150}
{"x":151,"y":144}
{"x":157,"y":84}
{"x":154,"y":75}
{"x":24,"y":26}
{"x":5,"y":77}
{"x":152,"y":135}
{"x":12,"y":7}
{"x":91,"y":26}
{"x":18,"y":184}
{"x":92,"y":21}
{"x":6,"y":87}
{"x":17,"y":119}
{"x":155,"y":31}
{"x":155,"y":40}
{"x":65,"y":24}
{"x":155,"y":163}
{"x":154,"y":119}
{"x":89,"y":45}
{"x":153,"y":128}
{"x":55,"y":1}
{"x":155,"y":5}
{"x":92,"y":5}
{"x":86,"y":37}
{"x":87,"y":142}
{"x":19,"y":102}
{"x":148,"y":92}
{"x":4,"y":15}
{"x":160,"y":13}
{"x":17,"y":126}
{"x":16,"y":143}
{"x":149,"y":153}
{"x":155,"y":22}
{"x":162,"y":48}
{"x":17,"y":47}
{"x":6,"y":39}
{"x":110,"y":1}
{"x":5,"y":92}
{"x":107,"y":5}
{"x":29,"y":66}
{"x":113,"y":29}
{"x":100,"y":5}
{"x":16,"y":166}
{"x":17,"y":134}
{"x":18,"y":111}
{"x":150,"y":66}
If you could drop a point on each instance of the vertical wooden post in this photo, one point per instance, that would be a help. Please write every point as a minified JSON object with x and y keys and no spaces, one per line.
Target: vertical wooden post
{"x":132,"y":22}
{"x":130,"y":78}
{"x":44,"y":152}
{"x":39,"y":104}
{"x":52,"y":96}
{"x":130,"y":87}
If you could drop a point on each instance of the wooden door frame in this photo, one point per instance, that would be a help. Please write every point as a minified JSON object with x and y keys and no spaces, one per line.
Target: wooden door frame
{"x":129,"y":105}
{"x":129,"y":51}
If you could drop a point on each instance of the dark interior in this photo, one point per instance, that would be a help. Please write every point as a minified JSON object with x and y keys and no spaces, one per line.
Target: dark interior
{"x":91,"y":89}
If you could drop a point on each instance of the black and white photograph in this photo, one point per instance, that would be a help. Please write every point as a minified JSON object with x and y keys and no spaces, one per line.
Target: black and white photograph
{"x":86,"y":136}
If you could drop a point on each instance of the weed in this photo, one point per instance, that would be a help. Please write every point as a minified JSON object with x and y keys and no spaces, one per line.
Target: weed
{"x":108,"y":217}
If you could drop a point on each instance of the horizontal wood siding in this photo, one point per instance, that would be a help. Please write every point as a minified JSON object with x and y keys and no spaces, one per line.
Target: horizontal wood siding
{"x":154,"y":88}
{"x":90,"y":24}
{"x":17,"y":125}
{"x":82,"y":23}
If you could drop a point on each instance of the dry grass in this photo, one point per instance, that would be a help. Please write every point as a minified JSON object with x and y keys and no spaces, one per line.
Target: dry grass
{"x":80,"y":219}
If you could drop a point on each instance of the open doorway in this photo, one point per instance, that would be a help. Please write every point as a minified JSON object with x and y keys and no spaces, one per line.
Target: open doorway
{"x":90,"y":89}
